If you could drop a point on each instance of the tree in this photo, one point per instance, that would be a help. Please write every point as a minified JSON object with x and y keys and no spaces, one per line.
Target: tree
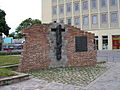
{"x":12,"y":35}
{"x":26,"y":23}
{"x":4,"y":28}
{"x":16,"y":35}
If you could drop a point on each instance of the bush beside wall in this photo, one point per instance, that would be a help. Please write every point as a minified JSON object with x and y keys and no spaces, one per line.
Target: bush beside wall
{"x":10,"y":53}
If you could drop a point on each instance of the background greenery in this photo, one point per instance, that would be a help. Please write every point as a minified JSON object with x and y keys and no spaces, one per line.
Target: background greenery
{"x":4,"y":28}
{"x":10,"y":53}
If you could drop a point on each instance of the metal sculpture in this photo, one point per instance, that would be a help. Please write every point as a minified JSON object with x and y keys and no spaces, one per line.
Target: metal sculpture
{"x":58,"y":30}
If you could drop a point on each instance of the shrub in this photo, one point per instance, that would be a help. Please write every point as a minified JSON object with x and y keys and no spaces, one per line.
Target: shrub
{"x":10,"y":53}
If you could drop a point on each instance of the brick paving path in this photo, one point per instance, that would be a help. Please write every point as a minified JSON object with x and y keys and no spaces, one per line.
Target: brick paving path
{"x":108,"y":81}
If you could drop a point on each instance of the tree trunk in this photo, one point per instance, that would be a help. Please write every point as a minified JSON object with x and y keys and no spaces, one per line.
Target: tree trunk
{"x":0,"y":41}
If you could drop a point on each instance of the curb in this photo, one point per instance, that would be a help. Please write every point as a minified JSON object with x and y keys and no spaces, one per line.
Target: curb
{"x":10,"y":66}
{"x":14,"y":79}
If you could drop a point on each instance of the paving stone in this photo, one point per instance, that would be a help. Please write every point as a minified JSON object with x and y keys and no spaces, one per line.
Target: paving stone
{"x":108,"y":81}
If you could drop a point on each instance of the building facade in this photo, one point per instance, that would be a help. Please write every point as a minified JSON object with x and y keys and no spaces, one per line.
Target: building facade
{"x":101,"y":17}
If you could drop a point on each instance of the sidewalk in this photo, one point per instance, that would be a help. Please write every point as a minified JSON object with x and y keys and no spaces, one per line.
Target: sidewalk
{"x":108,"y":81}
{"x":37,"y":84}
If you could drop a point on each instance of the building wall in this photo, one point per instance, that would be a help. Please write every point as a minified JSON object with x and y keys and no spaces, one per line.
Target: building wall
{"x":108,"y":28}
{"x":46,"y":10}
{"x":108,"y":33}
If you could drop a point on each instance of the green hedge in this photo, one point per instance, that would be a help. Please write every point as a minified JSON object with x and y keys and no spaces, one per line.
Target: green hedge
{"x":10,"y":53}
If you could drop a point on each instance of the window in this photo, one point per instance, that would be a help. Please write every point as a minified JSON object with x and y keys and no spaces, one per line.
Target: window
{"x":94,"y":19}
{"x":54,"y":1}
{"x":116,"y":41}
{"x":113,"y":2}
{"x":54,"y":10}
{"x":61,"y":21}
{"x":104,"y":18}
{"x":76,"y":6}
{"x":104,"y":42}
{"x":103,"y":3}
{"x":77,"y":21}
{"x":61,"y":0}
{"x":114,"y":17}
{"x":68,"y":0}
{"x":85,"y":4}
{"x":96,"y":42}
{"x":85,"y":20}
{"x":94,"y":4}
{"x":61,"y":9}
{"x":69,"y":21}
{"x":68,"y":8}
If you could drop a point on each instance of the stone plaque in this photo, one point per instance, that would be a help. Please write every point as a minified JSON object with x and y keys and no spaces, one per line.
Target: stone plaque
{"x":80,"y":43}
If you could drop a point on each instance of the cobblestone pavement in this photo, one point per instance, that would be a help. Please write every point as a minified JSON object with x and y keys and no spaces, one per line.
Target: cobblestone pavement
{"x":37,"y":84}
{"x":108,"y":81}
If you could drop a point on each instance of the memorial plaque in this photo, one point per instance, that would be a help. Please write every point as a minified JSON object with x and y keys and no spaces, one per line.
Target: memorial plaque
{"x":80,"y":43}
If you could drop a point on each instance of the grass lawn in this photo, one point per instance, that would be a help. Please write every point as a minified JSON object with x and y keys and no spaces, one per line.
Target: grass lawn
{"x":79,"y":76}
{"x":6,"y":72}
{"x":9,"y":60}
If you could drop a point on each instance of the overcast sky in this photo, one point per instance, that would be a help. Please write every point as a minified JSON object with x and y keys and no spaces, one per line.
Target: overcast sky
{"x":19,"y":10}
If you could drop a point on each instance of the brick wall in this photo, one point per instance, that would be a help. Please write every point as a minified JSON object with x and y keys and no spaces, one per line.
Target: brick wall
{"x":80,"y":58}
{"x":39,"y":54}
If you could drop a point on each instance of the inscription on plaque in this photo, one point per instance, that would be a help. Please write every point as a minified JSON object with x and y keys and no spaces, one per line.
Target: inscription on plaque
{"x":80,"y":43}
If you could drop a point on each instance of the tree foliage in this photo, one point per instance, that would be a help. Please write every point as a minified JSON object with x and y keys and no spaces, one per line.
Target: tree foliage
{"x":26,"y":23}
{"x":4,"y":28}
{"x":11,"y":35}
{"x":16,"y":35}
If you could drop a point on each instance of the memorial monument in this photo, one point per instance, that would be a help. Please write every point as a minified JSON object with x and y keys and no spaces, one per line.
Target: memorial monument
{"x":56,"y":45}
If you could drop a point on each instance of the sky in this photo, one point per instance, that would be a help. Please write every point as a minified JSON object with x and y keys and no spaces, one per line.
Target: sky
{"x":19,"y":10}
